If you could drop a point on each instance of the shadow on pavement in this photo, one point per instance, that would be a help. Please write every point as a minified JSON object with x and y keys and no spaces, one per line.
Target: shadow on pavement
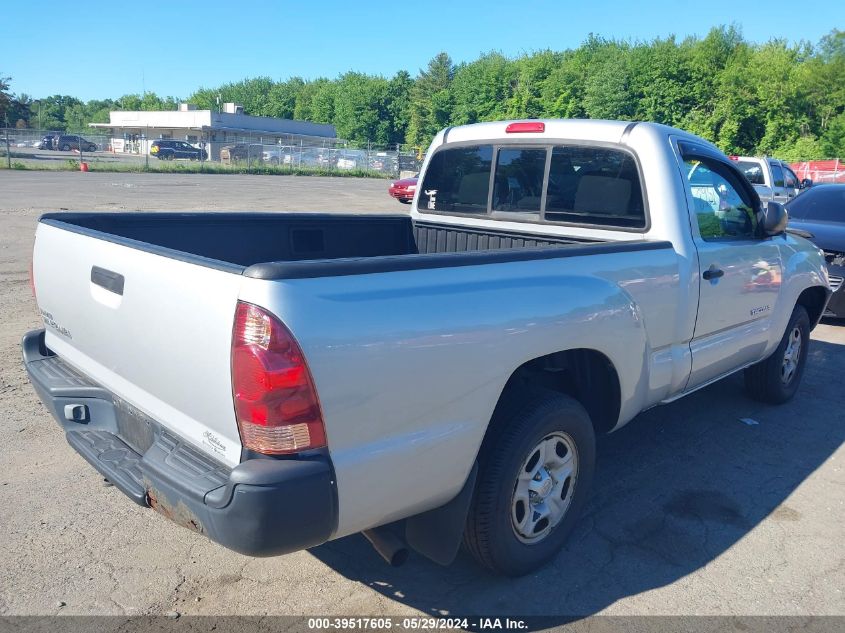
{"x":674,"y":489}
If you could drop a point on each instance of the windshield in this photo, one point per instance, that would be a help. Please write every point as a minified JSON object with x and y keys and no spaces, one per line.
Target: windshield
{"x":825,"y":203}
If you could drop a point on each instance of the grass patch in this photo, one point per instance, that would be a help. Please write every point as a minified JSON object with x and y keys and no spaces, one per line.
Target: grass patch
{"x":160,"y":167}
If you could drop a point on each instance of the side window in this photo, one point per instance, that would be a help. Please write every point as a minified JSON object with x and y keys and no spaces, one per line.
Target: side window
{"x":594,"y":185}
{"x":518,"y":183}
{"x":777,"y":175}
{"x":723,"y":207}
{"x":791,"y":178}
{"x":458,"y":180}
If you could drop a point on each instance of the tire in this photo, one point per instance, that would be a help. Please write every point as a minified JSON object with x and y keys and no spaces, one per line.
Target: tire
{"x":776,"y":379}
{"x":65,"y":147}
{"x":492,"y":535}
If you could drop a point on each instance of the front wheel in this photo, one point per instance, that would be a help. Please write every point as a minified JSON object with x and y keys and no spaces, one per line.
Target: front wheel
{"x":65,"y":147}
{"x":534,"y":478}
{"x":776,"y":379}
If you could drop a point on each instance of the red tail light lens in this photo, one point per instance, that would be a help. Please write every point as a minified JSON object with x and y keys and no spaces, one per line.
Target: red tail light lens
{"x":276,"y":403}
{"x":525,"y":126}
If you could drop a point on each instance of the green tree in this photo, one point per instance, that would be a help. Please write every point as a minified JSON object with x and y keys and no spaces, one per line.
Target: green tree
{"x":431,"y":100}
{"x":359,"y":108}
{"x":481,"y":90}
{"x":14,"y":111}
{"x":832,"y":142}
{"x":397,"y":106}
{"x":659,"y":81}
{"x":562,"y":92}
{"x":787,"y":100}
{"x":282,"y":98}
{"x":530,"y":74}
{"x":315,"y":101}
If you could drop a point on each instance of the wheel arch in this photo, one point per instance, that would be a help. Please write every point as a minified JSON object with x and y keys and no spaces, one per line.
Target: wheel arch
{"x":584,"y":374}
{"x":813,"y":299}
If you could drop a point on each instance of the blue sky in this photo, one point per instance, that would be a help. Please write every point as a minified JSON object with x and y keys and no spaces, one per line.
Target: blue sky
{"x":96,"y":49}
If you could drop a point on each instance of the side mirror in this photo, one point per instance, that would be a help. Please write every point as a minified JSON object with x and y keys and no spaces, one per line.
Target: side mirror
{"x":774,"y":219}
{"x":806,"y":183}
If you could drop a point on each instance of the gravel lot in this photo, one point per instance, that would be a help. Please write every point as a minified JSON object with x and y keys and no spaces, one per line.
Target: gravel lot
{"x":693,"y":512}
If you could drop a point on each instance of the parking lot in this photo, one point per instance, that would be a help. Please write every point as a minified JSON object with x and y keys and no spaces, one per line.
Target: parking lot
{"x":713,"y":505}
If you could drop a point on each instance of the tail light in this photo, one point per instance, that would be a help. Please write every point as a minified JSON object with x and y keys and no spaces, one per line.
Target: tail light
{"x":276,"y":404}
{"x":523,"y":127}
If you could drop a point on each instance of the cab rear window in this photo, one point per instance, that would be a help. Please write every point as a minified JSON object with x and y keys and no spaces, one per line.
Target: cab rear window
{"x":564,"y":184}
{"x":752,"y":171}
{"x":458,"y":180}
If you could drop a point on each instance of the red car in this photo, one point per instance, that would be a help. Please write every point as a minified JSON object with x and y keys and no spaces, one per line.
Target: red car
{"x":403,"y":190}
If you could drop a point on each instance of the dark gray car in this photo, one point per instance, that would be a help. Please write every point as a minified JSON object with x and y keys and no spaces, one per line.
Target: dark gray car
{"x":68,"y":142}
{"x":820,"y":214}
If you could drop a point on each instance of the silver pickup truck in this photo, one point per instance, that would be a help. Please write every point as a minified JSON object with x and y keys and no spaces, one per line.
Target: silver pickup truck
{"x":274,"y":381}
{"x":772,"y":179}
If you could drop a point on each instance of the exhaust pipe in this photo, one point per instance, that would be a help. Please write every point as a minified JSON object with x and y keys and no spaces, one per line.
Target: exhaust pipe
{"x":388,"y":545}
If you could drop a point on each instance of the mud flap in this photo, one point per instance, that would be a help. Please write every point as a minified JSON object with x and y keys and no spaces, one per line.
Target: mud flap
{"x":437,"y":534}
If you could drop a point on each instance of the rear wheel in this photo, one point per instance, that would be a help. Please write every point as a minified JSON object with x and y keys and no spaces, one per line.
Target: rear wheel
{"x":776,"y":379}
{"x":533,"y":480}
{"x":65,"y":147}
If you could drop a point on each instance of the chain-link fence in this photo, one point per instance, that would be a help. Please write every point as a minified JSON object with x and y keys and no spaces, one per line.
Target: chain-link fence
{"x":20,"y":140}
{"x":244,"y":152}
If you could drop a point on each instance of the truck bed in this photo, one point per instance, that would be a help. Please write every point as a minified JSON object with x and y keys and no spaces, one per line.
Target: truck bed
{"x":291,"y":245}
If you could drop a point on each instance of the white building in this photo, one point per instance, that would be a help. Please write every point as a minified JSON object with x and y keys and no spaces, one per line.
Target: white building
{"x":133,"y":132}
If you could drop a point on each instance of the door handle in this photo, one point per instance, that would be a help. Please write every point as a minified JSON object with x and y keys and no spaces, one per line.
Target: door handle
{"x":713,"y":273}
{"x":108,"y":279}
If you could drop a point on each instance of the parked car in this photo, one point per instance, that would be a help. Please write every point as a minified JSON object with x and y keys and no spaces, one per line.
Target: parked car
{"x":284,"y":155}
{"x":296,"y":378}
{"x":773,"y":179}
{"x":351,"y":159}
{"x":404,"y":189}
{"x":242,"y":151}
{"x":48,"y":141}
{"x":166,"y":149}
{"x":68,"y":142}
{"x":820,"y":215}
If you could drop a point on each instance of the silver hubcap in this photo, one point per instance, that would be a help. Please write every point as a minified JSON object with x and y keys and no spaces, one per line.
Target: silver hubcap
{"x":791,"y":356}
{"x":543,"y":490}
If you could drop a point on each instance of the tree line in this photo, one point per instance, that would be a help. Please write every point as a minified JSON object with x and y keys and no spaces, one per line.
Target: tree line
{"x":775,"y":98}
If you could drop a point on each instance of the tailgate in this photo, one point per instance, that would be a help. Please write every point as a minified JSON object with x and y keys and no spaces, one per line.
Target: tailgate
{"x":153,"y":330}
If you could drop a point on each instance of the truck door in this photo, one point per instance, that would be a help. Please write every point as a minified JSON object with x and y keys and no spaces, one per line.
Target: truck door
{"x":778,"y":185}
{"x":740,"y":273}
{"x":791,"y":183}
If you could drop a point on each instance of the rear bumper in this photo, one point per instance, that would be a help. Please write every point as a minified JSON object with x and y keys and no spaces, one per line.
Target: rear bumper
{"x":261,"y":507}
